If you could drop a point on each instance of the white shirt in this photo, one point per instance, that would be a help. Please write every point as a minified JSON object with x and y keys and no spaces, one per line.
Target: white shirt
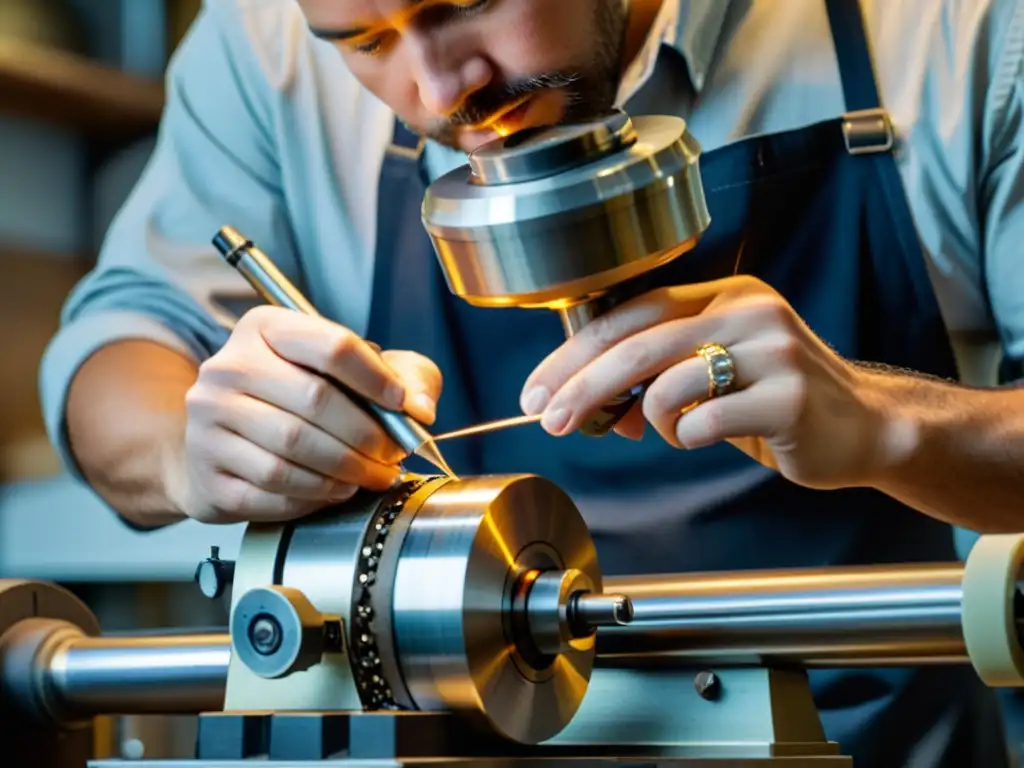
{"x":266,"y":129}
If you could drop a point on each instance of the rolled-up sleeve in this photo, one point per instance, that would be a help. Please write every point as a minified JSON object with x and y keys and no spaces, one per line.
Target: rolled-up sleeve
{"x":213,"y":164}
{"x":1002,"y":185}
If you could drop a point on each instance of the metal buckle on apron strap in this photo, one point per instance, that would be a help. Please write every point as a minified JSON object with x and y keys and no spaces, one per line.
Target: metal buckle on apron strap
{"x":406,"y":152}
{"x":868,"y":131}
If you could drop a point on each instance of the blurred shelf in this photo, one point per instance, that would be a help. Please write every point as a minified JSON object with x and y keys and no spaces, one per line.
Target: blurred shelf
{"x":29,"y":315}
{"x":72,"y":91}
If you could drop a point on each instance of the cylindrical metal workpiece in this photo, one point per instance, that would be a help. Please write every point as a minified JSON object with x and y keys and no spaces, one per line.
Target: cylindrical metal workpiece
{"x":828,"y":617}
{"x":139,"y":675}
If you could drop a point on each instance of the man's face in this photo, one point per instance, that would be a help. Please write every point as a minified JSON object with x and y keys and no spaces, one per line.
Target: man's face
{"x":464,"y":72}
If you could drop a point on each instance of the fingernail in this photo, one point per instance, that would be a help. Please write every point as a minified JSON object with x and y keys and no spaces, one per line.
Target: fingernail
{"x":555,"y":421}
{"x":426,"y":403}
{"x":535,"y":401}
{"x":394,"y":396}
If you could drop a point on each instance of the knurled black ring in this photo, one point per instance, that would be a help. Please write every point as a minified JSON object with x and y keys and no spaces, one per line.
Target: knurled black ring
{"x":373,"y":689}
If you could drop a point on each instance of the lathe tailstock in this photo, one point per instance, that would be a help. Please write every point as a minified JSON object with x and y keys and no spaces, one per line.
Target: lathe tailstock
{"x":467,"y":621}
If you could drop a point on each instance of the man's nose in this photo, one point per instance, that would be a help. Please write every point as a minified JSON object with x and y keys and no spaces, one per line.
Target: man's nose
{"x":446,"y":78}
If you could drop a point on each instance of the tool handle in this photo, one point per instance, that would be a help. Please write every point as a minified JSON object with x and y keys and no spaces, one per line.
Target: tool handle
{"x":574,"y":319}
{"x":603,"y":421}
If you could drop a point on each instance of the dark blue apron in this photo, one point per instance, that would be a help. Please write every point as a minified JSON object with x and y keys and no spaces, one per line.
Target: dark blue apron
{"x":832,"y":232}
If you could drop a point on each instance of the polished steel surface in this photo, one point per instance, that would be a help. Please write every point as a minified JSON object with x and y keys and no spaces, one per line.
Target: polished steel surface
{"x":605,"y":610}
{"x":539,"y":152}
{"x":828,"y":617}
{"x":566,"y":238}
{"x":321,"y":561}
{"x":462,"y":561}
{"x":547,"y":600}
{"x":139,"y":675}
{"x":317,"y":556}
{"x":323,"y":552}
{"x":578,"y":316}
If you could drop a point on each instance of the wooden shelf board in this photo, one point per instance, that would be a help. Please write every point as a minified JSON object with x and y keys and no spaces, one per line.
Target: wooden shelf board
{"x":72,"y":91}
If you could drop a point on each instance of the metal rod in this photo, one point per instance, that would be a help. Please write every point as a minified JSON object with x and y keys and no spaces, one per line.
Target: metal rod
{"x":140,"y":675}
{"x":489,"y":426}
{"x":832,"y":617}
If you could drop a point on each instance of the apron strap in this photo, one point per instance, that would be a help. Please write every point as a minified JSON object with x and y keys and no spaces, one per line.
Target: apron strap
{"x":867,"y":128}
{"x":853,"y":51}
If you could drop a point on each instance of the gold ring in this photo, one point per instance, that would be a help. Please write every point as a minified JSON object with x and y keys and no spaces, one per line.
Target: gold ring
{"x":721,"y":369}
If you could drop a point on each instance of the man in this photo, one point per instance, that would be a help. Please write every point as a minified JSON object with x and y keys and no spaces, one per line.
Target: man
{"x":906,"y":256}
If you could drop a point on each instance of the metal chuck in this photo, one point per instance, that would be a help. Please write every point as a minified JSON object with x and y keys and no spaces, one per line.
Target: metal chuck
{"x":479,"y":594}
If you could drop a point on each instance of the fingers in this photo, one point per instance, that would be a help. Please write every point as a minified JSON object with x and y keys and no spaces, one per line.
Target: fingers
{"x":422,"y":380}
{"x":238,"y":501}
{"x":632,"y":425}
{"x":244,"y":459}
{"x":685,"y":385}
{"x":228,"y":470}
{"x":296,"y":391}
{"x":330,"y":349}
{"x":636,"y":359}
{"x":299,"y":444}
{"x":758,"y":411}
{"x":631,"y":318}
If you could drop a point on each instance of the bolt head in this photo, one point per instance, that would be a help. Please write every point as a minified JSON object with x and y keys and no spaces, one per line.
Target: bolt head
{"x":265,"y":635}
{"x":708,"y":685}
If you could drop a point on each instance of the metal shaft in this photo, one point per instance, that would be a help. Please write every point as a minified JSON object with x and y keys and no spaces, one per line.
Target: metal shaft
{"x":140,"y":675}
{"x":832,"y":617}
{"x":815,"y":618}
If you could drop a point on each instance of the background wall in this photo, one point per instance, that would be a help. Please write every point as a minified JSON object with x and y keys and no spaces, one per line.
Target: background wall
{"x":81,"y":91}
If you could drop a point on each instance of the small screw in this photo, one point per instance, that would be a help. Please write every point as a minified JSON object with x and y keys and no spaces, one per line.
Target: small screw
{"x":265,"y":635}
{"x":708,"y":685}
{"x":623,"y":610}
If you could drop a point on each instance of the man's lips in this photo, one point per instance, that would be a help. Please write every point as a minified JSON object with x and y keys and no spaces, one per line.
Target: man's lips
{"x":509,"y":121}
{"x":530,"y":111}
{"x":499,"y":124}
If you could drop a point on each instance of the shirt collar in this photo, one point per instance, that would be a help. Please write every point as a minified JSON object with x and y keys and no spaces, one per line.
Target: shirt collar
{"x":690,"y":26}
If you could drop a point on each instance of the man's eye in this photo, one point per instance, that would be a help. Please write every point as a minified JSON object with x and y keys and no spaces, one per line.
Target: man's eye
{"x":369,"y":47}
{"x":471,"y":6}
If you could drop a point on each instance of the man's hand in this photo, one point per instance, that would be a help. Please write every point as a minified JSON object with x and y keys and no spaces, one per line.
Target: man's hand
{"x":799,"y":408}
{"x":269,"y":437}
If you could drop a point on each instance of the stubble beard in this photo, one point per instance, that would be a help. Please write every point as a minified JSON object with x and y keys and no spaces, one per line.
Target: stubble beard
{"x":590,"y":90}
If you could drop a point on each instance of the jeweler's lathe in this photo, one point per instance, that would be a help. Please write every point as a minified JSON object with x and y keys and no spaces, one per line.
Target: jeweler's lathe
{"x":468,"y":620}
